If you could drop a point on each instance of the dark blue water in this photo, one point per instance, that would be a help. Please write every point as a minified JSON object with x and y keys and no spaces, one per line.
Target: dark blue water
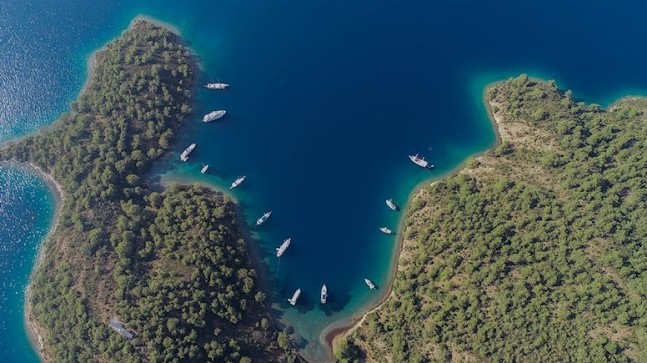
{"x":327,"y":99}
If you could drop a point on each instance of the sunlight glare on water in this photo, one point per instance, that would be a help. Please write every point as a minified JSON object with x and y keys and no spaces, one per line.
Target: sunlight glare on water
{"x":26,"y":210}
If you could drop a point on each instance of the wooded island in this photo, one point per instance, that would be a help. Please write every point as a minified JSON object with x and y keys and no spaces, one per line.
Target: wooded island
{"x":535,"y":251}
{"x":131,"y":274}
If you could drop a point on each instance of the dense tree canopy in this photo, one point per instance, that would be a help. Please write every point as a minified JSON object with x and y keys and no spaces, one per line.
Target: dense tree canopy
{"x":171,"y":265}
{"x":536,"y":251}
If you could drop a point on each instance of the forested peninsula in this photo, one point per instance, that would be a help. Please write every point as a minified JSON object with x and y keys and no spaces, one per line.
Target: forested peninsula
{"x":534,"y":251}
{"x":169,"y":267}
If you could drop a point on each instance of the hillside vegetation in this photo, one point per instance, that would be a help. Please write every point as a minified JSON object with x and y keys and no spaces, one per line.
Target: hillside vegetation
{"x":535,"y":252}
{"x":172,"y":265}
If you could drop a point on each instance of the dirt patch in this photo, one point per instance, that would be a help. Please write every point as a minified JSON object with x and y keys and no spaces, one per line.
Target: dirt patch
{"x":618,"y":333}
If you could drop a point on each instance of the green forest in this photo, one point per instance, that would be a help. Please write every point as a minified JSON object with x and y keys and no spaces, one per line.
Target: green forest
{"x":171,"y":264}
{"x":535,"y":251}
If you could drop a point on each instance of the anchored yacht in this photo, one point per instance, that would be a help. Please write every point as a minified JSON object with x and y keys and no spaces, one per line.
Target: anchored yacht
{"x":386,"y":230}
{"x":185,"y":154}
{"x":284,"y":246}
{"x":390,"y":204}
{"x":420,"y":161}
{"x":217,"y":85}
{"x":295,"y":297}
{"x":369,"y":283}
{"x":213,"y":115}
{"x":324,"y":294}
{"x":263,"y":218}
{"x":204,"y":168}
{"x":237,"y":182}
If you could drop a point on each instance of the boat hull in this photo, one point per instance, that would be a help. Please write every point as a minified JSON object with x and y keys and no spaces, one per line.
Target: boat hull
{"x":263,"y":219}
{"x":295,"y":297}
{"x":391,"y":205}
{"x":219,"y":86}
{"x":213,"y":116}
{"x":237,"y":182}
{"x":185,"y":154}
{"x":283,"y":247}
{"x":421,"y":162}
{"x":370,"y":284}
{"x":324,"y":294}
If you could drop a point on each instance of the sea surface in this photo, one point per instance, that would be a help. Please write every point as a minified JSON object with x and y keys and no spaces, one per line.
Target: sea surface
{"x":327,"y":99}
{"x":26,"y":211}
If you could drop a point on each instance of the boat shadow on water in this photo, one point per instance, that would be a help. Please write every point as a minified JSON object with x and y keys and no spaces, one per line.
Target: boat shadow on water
{"x":304,"y":303}
{"x":336,"y":302}
{"x":168,"y":170}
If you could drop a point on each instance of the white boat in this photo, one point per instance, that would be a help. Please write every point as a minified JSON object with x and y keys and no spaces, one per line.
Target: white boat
{"x":185,"y":154}
{"x":238,"y":181}
{"x":295,"y":297}
{"x":204,"y":168}
{"x":324,"y":294}
{"x":263,"y":218}
{"x":217,"y":85}
{"x":420,"y":161}
{"x":213,"y":115}
{"x":369,"y":283}
{"x":386,"y":230}
{"x":389,"y":202}
{"x":284,"y":246}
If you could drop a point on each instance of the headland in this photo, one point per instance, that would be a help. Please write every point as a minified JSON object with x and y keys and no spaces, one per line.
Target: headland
{"x":475,"y":234}
{"x":93,"y":268}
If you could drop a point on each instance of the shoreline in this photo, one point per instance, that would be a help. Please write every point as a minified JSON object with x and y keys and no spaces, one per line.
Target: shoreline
{"x":254,"y":250}
{"x":91,"y":62}
{"x":497,"y":119}
{"x":92,"y":57}
{"x":348,"y":324}
{"x":32,"y":329}
{"x":145,"y":17}
{"x":330,"y":334}
{"x":340,"y":330}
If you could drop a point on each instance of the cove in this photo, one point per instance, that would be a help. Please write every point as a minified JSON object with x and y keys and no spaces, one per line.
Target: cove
{"x":327,"y":99}
{"x":27,"y":207}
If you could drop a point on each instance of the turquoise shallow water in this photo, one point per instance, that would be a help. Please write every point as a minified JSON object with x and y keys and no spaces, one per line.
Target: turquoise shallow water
{"x":26,"y":212}
{"x":327,"y":99}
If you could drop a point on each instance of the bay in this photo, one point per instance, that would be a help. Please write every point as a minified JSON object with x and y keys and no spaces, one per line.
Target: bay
{"x":26,"y":212}
{"x":327,"y":99}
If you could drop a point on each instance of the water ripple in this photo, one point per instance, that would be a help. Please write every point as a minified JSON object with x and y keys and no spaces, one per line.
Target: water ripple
{"x":26,"y":210}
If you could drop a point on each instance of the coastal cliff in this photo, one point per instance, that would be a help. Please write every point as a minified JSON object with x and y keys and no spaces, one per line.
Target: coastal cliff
{"x":130,"y":274}
{"x":531,"y":252}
